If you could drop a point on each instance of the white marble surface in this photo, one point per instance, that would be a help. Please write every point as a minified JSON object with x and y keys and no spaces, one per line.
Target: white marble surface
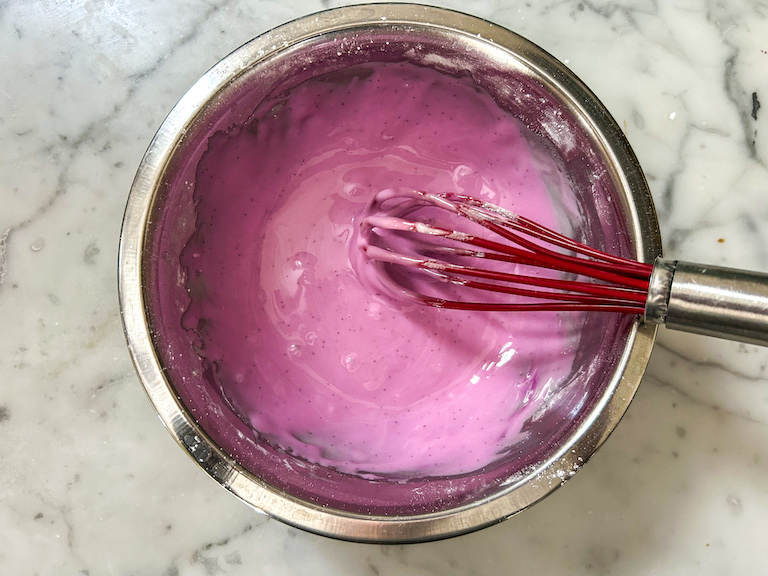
{"x":90,"y":482}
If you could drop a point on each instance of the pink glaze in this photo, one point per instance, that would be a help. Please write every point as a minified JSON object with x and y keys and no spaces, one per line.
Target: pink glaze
{"x":288,"y":323}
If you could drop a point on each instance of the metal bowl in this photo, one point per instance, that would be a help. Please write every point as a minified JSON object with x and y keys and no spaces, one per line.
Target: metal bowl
{"x":160,"y":217}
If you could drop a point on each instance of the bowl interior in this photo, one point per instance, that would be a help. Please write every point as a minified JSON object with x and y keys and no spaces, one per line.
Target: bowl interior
{"x":603,"y":214}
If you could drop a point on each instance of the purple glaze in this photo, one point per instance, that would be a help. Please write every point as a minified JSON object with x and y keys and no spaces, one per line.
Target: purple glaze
{"x":286,"y":322}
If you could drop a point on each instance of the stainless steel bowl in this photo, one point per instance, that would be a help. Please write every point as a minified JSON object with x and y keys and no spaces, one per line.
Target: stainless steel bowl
{"x":160,"y":217}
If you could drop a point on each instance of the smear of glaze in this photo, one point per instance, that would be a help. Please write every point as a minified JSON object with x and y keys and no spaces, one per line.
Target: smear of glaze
{"x":317,"y":362}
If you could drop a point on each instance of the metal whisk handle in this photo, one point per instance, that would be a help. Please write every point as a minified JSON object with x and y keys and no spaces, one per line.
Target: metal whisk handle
{"x":710,"y":300}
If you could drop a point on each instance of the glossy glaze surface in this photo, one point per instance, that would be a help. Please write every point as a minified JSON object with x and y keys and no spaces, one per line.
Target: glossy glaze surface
{"x":287,"y":308}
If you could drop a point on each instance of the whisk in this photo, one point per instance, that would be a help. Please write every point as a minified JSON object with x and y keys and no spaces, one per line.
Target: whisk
{"x":512,"y":264}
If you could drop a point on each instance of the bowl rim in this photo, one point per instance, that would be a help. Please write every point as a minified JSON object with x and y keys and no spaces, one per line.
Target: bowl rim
{"x":521,"y":493}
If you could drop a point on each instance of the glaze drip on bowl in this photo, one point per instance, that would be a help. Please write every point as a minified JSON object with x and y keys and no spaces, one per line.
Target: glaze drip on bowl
{"x":285,"y":311}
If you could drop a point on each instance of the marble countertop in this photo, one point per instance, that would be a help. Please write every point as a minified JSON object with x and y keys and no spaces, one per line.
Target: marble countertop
{"x":91,"y":483}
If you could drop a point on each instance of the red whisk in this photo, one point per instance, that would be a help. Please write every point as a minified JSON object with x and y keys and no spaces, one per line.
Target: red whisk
{"x":510,"y":263}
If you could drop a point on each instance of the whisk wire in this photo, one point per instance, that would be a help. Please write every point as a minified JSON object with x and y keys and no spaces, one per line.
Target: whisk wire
{"x":523,"y":224}
{"x":598,"y":260}
{"x":617,"y":284}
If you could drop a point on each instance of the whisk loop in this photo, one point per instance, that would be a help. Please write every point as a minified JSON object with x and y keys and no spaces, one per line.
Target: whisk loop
{"x":402,"y":231}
